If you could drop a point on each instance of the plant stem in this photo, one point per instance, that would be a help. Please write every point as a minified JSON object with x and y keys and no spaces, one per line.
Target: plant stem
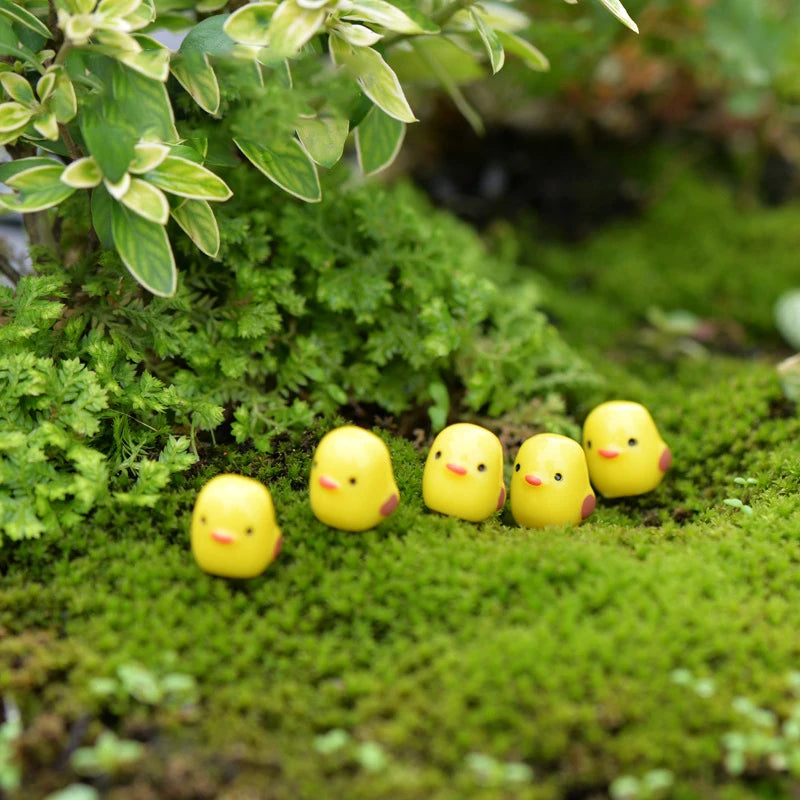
{"x":73,"y":149}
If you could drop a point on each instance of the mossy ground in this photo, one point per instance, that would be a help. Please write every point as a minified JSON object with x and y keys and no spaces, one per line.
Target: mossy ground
{"x":436,"y":639}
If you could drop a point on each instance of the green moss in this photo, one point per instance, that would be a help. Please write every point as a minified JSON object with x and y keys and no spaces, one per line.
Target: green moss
{"x":437,"y":638}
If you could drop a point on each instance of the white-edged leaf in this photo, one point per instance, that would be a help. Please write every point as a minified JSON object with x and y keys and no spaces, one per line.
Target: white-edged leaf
{"x":374,"y":76}
{"x":16,"y":13}
{"x":323,"y":138}
{"x":379,"y":138}
{"x":17,"y":88}
{"x":147,"y":156}
{"x":116,"y":43}
{"x":147,"y":201}
{"x":186,"y":178}
{"x":198,"y":222}
{"x":287,"y":164}
{"x":502,"y":16}
{"x":291,"y":27}
{"x":533,"y":57}
{"x":250,"y":24}
{"x":116,"y":190}
{"x":357,"y":35}
{"x":13,"y":116}
{"x":64,"y":102}
{"x":82,"y":174}
{"x":144,"y":248}
{"x":10,"y":168}
{"x":491,"y":41}
{"x":117,"y":8}
{"x":36,"y":178}
{"x":150,"y":63}
{"x":47,"y":126}
{"x":45,"y":85}
{"x":379,"y":12}
{"x":618,"y":10}
{"x":312,"y":3}
{"x":197,"y":76}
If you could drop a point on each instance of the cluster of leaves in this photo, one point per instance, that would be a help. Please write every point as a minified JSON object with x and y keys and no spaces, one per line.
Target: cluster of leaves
{"x":85,"y":81}
{"x":81,"y":421}
{"x":369,"y":297}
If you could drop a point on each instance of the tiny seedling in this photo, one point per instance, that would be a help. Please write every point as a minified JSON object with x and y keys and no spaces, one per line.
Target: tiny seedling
{"x":491,"y":771}
{"x":735,"y":502}
{"x":107,"y":756}
{"x":653,"y":784}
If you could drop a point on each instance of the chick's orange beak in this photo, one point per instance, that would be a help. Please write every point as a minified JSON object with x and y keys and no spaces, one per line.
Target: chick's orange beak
{"x":223,"y":537}
{"x":327,"y":482}
{"x":457,"y":468}
{"x":609,"y":452}
{"x":533,"y":480}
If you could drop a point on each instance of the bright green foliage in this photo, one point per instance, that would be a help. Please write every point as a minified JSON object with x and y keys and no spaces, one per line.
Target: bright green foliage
{"x":80,"y":422}
{"x":86,"y":81}
{"x":370,"y":296}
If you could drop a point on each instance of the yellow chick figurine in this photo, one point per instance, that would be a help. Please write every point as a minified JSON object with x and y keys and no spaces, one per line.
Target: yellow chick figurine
{"x":352,"y":485}
{"x":550,"y":483}
{"x":234,"y":532}
{"x":463,"y":474}
{"x":624,"y":450}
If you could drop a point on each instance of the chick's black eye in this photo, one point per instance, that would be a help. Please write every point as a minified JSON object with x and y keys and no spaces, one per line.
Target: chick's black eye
{"x":516,"y":468}
{"x":632,"y":442}
{"x":481,"y":467}
{"x":589,"y":444}
{"x":203,"y":520}
{"x":249,"y":531}
{"x":438,"y":454}
{"x":352,"y":481}
{"x":558,"y":476}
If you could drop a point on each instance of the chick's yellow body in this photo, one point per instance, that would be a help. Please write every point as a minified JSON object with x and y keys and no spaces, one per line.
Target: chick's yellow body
{"x":233,"y":531}
{"x":624,"y":450}
{"x":352,"y":485}
{"x":550,"y":483}
{"x":463,"y":474}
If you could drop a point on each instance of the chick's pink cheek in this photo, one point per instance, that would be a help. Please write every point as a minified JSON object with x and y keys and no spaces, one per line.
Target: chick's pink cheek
{"x":665,"y":460}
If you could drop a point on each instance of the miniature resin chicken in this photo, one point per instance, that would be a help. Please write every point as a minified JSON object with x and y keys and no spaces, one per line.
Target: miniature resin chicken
{"x":352,"y":485}
{"x":463,"y":474}
{"x":550,"y":483}
{"x":624,"y":450}
{"x":234,"y":532}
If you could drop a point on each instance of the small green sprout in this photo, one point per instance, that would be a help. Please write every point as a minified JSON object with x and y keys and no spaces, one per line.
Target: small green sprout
{"x":735,"y":502}
{"x":145,"y":686}
{"x":10,"y":731}
{"x":653,"y":784}
{"x":491,"y":771}
{"x":702,"y":687}
{"x":107,"y":756}
{"x":369,"y":755}
{"x":75,"y":791}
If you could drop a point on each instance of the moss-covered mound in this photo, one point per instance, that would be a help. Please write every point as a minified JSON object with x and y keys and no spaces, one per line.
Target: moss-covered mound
{"x":432,"y":658}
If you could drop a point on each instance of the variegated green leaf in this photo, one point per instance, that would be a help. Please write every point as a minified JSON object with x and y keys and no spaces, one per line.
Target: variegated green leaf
{"x":47,"y":126}
{"x":64,"y":102}
{"x":45,"y":85}
{"x":379,"y":138}
{"x":357,"y":35}
{"x":375,"y":77}
{"x":491,"y":42}
{"x":197,"y":76}
{"x":207,"y":6}
{"x":187,"y":179}
{"x":291,"y":27}
{"x":150,"y":63}
{"x":144,"y":248}
{"x":39,"y":188}
{"x":147,"y":156}
{"x":147,"y":201}
{"x":13,"y":116}
{"x":250,"y":23}
{"x":502,"y":16}
{"x":118,"y":188}
{"x":313,"y":3}
{"x":379,"y":12}
{"x":411,"y":64}
{"x":17,"y":88}
{"x":116,"y":43}
{"x":82,"y":174}
{"x":198,"y":222}
{"x":323,"y":138}
{"x":117,"y":8}
{"x":37,"y":178}
{"x":78,"y":30}
{"x":78,"y":6}
{"x":11,"y":168}
{"x":618,"y":10}
{"x":286,"y":164}
{"x":532,"y":56}
{"x":209,"y":36}
{"x":16,"y":13}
